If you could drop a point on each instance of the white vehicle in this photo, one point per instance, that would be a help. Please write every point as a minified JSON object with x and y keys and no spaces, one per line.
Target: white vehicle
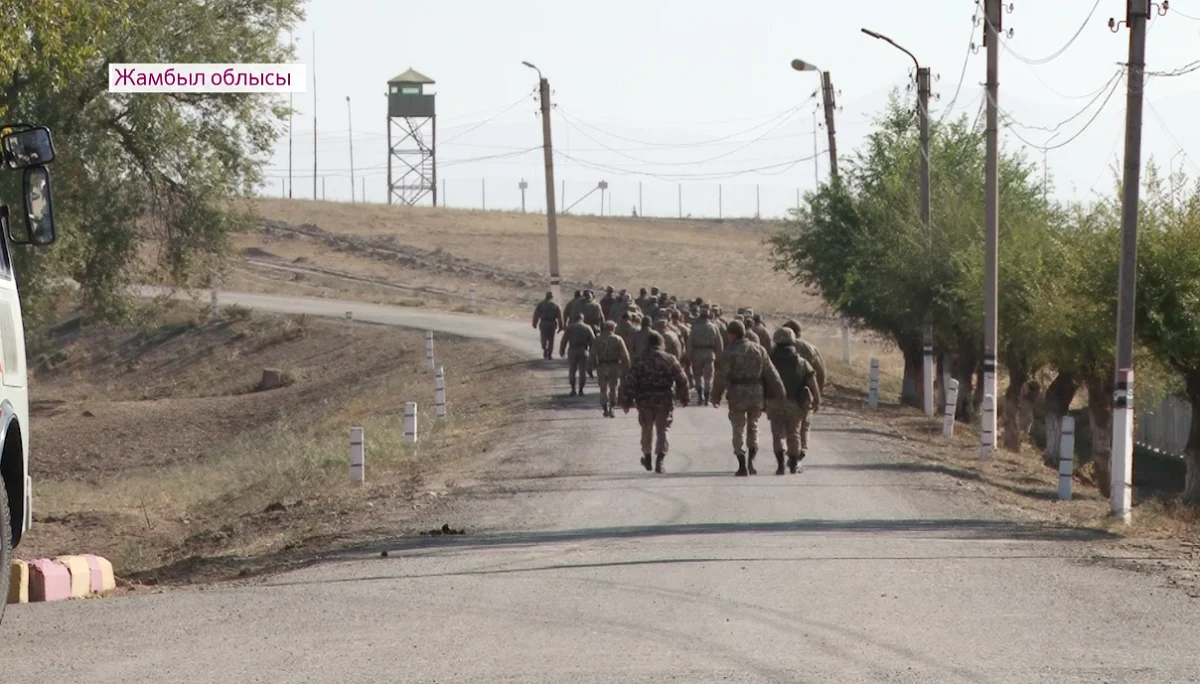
{"x":28,"y":149}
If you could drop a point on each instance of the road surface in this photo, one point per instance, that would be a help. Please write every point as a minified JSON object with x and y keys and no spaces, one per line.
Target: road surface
{"x":581,"y":567}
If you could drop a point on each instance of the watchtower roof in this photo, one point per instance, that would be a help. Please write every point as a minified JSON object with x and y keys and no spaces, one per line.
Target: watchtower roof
{"x":411,"y":76}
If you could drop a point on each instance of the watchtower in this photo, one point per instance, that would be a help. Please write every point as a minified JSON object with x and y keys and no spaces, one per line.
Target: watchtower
{"x":412,"y":117}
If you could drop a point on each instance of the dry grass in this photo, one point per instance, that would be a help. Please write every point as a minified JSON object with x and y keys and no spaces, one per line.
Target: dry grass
{"x":726,"y":262}
{"x":153,"y":448}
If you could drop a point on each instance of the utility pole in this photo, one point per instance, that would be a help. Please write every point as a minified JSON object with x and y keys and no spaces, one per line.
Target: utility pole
{"x":291,"y":111}
{"x":350,"y":125}
{"x":927,"y":333}
{"x":551,"y":219}
{"x":314,"y":39}
{"x":816,"y":164}
{"x":522,"y":185}
{"x":993,"y":15}
{"x":1121,"y":473}
{"x":827,"y":97}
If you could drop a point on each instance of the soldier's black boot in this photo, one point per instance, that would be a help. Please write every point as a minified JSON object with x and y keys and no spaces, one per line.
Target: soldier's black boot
{"x":793,"y":462}
{"x":741,"y":471}
{"x":750,"y":462}
{"x":658,"y":464}
{"x":646,"y":462}
{"x":582,"y":382}
{"x":573,"y":392}
{"x":779,"y":462}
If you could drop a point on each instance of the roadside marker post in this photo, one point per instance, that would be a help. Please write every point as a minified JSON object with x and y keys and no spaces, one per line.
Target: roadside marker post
{"x":410,"y":422}
{"x":951,"y":408}
{"x":1066,"y":459}
{"x":429,"y":350}
{"x":439,"y":393}
{"x":358,"y":456}
{"x":873,"y":388}
{"x":987,"y":434}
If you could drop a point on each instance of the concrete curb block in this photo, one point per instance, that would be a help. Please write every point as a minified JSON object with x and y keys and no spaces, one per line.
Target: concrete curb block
{"x":81,"y":574}
{"x":48,"y":581}
{"x":103,"y":579}
{"x":18,"y":586}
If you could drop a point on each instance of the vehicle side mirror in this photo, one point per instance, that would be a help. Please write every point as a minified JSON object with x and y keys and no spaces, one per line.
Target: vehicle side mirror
{"x":29,"y":147}
{"x":39,"y":212}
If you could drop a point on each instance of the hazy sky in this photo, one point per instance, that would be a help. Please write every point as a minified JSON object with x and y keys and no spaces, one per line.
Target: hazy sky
{"x":715,"y":76}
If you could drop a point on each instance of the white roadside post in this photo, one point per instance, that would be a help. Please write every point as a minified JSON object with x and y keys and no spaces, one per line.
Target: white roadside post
{"x":951,"y":408}
{"x":987,"y":434}
{"x":1121,"y":482}
{"x":439,"y":393}
{"x":214,"y":306}
{"x":873,"y":387}
{"x":350,"y":322}
{"x":429,"y":350}
{"x":358,"y":456}
{"x":471,"y":294}
{"x":845,"y":341}
{"x":410,"y":422}
{"x":1066,"y":458}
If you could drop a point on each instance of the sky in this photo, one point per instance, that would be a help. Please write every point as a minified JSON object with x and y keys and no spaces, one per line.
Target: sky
{"x":693,"y":108}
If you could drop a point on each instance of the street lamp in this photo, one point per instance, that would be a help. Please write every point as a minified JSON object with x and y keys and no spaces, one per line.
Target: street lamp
{"x":551,"y":218}
{"x":923,"y":113}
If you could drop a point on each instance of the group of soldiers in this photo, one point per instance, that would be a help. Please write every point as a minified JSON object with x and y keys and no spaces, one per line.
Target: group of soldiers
{"x":649,"y":352}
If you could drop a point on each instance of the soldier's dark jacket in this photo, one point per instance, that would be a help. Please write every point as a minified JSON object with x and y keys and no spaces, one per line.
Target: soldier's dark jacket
{"x":654,"y":380}
{"x":547,"y":312}
{"x":578,"y":336}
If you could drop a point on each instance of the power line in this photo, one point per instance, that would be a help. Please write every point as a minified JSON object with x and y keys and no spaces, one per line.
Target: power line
{"x":1046,"y":148}
{"x":963,"y":75}
{"x":1167,"y":129}
{"x":687,"y":144}
{"x":1184,"y":70}
{"x":1049,"y":58}
{"x":768,"y":170}
{"x":1115,"y":78}
{"x":570,"y":122}
{"x":487,"y":120}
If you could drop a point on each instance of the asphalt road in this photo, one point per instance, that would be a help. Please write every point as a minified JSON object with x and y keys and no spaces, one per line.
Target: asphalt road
{"x":581,"y":567}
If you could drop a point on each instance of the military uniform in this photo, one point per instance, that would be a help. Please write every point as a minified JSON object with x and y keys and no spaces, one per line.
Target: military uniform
{"x":684,"y":330}
{"x":655,"y":380}
{"x":593,"y":315}
{"x":606,"y":305}
{"x":572,"y":307}
{"x":547,"y":318}
{"x":750,"y":378}
{"x":705,"y":344}
{"x":638,"y":346}
{"x":578,"y":337}
{"x":671,"y":342}
{"x":809,"y":351}
{"x":609,"y":358}
{"x":764,"y":335}
{"x":626,"y":330}
{"x":790,"y":415}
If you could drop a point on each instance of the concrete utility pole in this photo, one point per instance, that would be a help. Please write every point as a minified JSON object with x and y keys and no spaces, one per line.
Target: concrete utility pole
{"x":927,"y":333}
{"x":291,"y":112}
{"x":1121,"y":486}
{"x":993,"y":13}
{"x":551,"y":219}
{"x":923,"y":114}
{"x":350,"y":126}
{"x":827,"y":97}
{"x":522,"y":185}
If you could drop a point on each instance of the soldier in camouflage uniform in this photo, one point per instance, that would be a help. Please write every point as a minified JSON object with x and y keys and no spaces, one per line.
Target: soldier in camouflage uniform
{"x":655,"y":380}
{"x":638,"y":346}
{"x":641,"y":300}
{"x":650,"y":308}
{"x":572,"y":306}
{"x":751,"y":336}
{"x":606,"y":304}
{"x":578,"y":336}
{"x":809,"y":351}
{"x":705,"y":343}
{"x":683,"y":328}
{"x":548,"y":320}
{"x":593,"y":315}
{"x":719,"y":319}
{"x":790,"y":415}
{"x":671,"y":343}
{"x":626,"y":330}
{"x":609,"y":358}
{"x":746,"y":371}
{"x":760,"y":329}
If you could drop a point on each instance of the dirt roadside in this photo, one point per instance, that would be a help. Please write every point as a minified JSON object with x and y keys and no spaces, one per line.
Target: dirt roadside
{"x":159,"y":448}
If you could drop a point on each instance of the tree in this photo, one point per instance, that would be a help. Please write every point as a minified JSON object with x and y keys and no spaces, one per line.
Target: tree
{"x":1169,"y":296}
{"x":140,"y":173}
